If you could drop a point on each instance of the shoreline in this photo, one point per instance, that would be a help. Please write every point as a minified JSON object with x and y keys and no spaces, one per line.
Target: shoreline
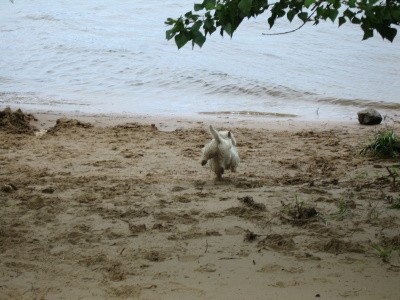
{"x":170,"y":122}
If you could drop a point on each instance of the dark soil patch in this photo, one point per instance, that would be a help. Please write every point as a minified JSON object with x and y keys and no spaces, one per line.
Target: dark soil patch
{"x":244,"y":212}
{"x":393,"y":242}
{"x":248,"y":184}
{"x":136,"y":127}
{"x":277,"y":242}
{"x":249,"y":202}
{"x":65,"y":124}
{"x":16,"y":122}
{"x":155,"y":256}
{"x":337,"y":246}
{"x":175,"y":218}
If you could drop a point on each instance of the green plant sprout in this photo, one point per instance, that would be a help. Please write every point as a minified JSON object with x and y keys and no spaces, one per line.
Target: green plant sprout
{"x":385,"y":145}
{"x":383,"y":253}
{"x":342,"y":212}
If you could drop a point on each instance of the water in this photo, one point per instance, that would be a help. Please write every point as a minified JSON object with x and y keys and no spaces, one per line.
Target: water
{"x":112,"y":57}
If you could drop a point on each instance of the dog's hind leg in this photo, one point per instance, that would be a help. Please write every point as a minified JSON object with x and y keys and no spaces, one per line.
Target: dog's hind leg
{"x":219,"y":173}
{"x":217,"y":168}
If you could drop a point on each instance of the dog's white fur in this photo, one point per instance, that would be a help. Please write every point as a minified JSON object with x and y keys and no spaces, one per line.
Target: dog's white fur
{"x":221,"y":152}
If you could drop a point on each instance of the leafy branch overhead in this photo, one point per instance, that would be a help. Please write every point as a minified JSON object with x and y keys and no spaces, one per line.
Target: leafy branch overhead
{"x":372,"y":16}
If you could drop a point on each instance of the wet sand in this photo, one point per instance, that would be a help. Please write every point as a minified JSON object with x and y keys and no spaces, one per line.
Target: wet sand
{"x":117,"y":208}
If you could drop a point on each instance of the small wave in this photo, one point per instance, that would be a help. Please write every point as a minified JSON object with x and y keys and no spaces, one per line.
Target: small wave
{"x":221,"y":83}
{"x":9,"y":98}
{"x":5,"y":80}
{"x":220,"y":74}
{"x":249,"y":113}
{"x":360,"y":103}
{"x":42,"y":18}
{"x":218,"y":83}
{"x":248,"y":90}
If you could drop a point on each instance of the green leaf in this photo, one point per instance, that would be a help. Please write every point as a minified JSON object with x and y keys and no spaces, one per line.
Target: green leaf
{"x":196,"y":26}
{"x":169,"y":34}
{"x":290,"y":14}
{"x":349,"y":14}
{"x":271,"y":20}
{"x":337,"y":4}
{"x":307,"y":3}
{"x":209,"y":4}
{"x":396,"y":14}
{"x":372,"y":2}
{"x":199,"y":39}
{"x":228,"y":29}
{"x":181,"y":40}
{"x":368,"y":34}
{"x":342,"y":20}
{"x":198,"y":7}
{"x":281,"y":13}
{"x":208,"y":26}
{"x":245,"y":6}
{"x":303,"y":16}
{"x":210,"y":30}
{"x":321,"y":12}
{"x":169,"y":21}
{"x":390,"y":33}
{"x":333,"y":13}
{"x":208,"y":23}
{"x":352,"y":3}
{"x":355,"y":20}
{"x":191,"y":16}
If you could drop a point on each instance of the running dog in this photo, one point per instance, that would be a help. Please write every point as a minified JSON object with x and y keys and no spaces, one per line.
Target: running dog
{"x":221,"y":152}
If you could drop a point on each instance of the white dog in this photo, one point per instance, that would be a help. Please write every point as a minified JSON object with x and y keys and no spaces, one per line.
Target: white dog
{"x":221,"y":152}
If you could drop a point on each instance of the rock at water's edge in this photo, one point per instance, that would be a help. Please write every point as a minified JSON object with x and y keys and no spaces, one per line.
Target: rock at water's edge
{"x":369,"y":116}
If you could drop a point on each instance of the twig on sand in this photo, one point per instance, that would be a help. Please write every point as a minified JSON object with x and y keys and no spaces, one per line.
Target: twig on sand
{"x":395,"y":266}
{"x":251,"y":236}
{"x":249,"y":202}
{"x":206,"y":247}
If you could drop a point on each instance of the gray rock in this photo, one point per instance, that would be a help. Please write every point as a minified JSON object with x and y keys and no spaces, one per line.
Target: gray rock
{"x":369,"y":116}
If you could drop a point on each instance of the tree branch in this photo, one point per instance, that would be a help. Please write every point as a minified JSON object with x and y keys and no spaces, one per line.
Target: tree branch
{"x":293,"y":30}
{"x":286,"y":32}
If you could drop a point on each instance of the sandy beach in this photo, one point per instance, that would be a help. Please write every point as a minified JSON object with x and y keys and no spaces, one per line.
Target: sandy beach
{"x":112,"y":207}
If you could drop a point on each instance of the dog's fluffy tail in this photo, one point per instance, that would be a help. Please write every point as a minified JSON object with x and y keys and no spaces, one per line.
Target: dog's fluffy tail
{"x":215,"y":134}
